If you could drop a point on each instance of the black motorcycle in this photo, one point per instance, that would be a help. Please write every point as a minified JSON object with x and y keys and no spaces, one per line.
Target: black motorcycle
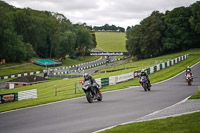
{"x":92,"y":92}
{"x":145,"y":84}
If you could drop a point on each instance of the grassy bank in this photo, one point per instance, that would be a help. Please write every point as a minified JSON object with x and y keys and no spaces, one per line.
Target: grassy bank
{"x":181,"y":124}
{"x":195,"y":96}
{"x":46,"y":91}
{"x":111,"y":41}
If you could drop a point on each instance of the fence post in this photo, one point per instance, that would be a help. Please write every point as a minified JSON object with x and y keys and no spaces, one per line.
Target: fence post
{"x":75,"y":86}
{"x":55,"y":90}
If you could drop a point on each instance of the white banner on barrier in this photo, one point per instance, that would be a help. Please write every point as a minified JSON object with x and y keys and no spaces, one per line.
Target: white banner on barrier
{"x":124,"y":77}
{"x":27,"y":94}
{"x":98,"y":81}
{"x":112,"y":80}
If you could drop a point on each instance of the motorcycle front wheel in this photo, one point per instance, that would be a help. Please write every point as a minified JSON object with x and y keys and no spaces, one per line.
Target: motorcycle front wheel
{"x":89,"y":96}
{"x":144,"y":86}
{"x":189,"y":82}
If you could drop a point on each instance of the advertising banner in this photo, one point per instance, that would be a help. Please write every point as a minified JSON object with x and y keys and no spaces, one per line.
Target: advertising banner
{"x":124,"y":77}
{"x":104,"y":54}
{"x":9,"y":97}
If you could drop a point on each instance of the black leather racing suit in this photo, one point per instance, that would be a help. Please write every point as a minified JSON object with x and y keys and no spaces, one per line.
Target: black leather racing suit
{"x":93,"y":82}
{"x":145,"y":74}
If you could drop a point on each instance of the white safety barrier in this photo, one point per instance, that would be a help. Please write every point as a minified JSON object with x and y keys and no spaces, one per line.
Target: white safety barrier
{"x":151,"y":70}
{"x":27,"y":94}
{"x":158,"y":67}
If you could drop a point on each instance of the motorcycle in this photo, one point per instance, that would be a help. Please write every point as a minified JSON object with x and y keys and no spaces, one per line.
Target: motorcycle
{"x":92,"y":92}
{"x":188,"y":78}
{"x":144,"y":83}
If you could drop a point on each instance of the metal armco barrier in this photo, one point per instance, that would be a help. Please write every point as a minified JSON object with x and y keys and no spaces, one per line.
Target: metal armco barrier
{"x":8,"y":97}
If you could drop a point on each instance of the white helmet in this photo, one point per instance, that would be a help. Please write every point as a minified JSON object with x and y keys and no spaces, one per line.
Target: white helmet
{"x":86,"y":75}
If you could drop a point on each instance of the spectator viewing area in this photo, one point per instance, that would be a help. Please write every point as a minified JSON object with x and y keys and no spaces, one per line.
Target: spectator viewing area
{"x":47,"y":63}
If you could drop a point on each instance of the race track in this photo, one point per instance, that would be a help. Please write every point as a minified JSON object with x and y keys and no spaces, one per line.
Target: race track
{"x":78,"y":116}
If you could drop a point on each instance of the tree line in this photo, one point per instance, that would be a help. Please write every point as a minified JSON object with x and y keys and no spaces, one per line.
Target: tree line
{"x":161,"y":33}
{"x":108,"y":27}
{"x":25,"y":33}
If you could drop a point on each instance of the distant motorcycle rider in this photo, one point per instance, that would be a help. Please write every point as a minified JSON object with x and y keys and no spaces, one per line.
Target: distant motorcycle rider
{"x":188,"y":71}
{"x":143,"y":73}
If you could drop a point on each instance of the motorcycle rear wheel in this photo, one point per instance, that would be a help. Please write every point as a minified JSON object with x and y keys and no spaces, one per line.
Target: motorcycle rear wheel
{"x":100,"y":97}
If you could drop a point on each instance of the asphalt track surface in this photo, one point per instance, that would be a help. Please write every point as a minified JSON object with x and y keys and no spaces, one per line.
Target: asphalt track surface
{"x":79,"y":116}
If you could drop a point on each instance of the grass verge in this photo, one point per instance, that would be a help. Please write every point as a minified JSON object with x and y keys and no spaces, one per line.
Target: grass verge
{"x":182,"y":124}
{"x":195,"y":96}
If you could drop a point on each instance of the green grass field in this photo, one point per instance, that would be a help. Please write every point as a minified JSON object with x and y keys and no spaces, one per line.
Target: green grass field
{"x":111,"y":41}
{"x":182,"y":124}
{"x":46,"y":91}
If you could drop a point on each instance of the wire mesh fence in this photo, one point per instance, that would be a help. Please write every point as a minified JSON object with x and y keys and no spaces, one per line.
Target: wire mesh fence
{"x":70,"y":89}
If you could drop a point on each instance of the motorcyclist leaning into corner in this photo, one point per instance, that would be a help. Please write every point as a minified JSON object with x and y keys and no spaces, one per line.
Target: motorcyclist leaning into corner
{"x":143,"y":73}
{"x":188,"y":71}
{"x":92,"y":80}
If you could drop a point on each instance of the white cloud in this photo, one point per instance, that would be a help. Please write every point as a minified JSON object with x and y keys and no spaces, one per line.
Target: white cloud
{"x":99,"y":12}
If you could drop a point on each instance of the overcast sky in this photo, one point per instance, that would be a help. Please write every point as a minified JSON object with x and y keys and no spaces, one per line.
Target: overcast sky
{"x":99,"y":12}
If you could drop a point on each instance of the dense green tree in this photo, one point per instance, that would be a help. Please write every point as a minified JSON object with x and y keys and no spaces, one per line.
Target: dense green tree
{"x":144,"y":40}
{"x":108,"y":27}
{"x":12,"y":46}
{"x":67,"y":41}
{"x":152,"y":29}
{"x":29,"y":33}
{"x":178,"y":35}
{"x":84,"y":39}
{"x":195,"y":16}
{"x":133,"y":41}
{"x":159,"y":33}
